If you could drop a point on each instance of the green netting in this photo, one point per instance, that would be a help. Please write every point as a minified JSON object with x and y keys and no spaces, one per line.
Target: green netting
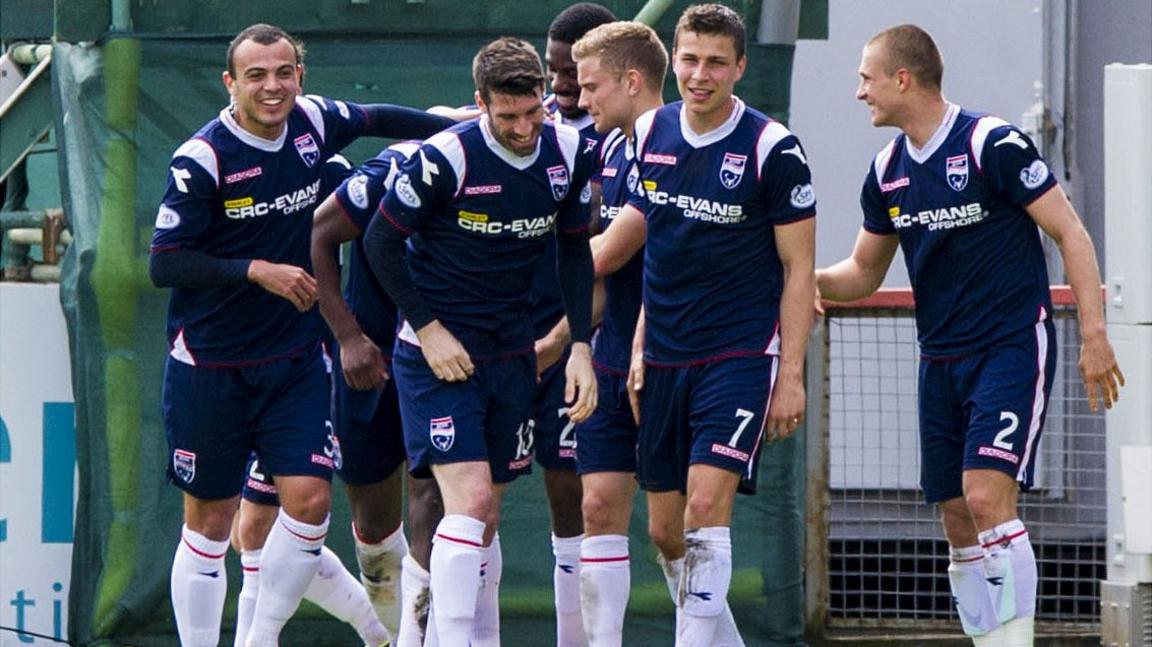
{"x":122,"y":108}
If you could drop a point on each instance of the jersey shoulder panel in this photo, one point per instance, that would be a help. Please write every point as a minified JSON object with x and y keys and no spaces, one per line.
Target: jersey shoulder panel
{"x":200,"y":151}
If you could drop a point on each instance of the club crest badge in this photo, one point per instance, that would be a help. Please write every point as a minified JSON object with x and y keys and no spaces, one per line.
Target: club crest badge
{"x":732,"y":169}
{"x":558,"y":178}
{"x":633,"y":179}
{"x":184,"y":465}
{"x":956,"y":170}
{"x":307,"y":148}
{"x":442,"y":431}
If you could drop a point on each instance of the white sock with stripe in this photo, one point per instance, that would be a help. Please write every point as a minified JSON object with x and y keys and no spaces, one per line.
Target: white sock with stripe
{"x":703,"y":585}
{"x":199,"y":585}
{"x":605,"y":582}
{"x":246,"y":603}
{"x":288,"y":565}
{"x":380,"y":573}
{"x":457,"y":549}
{"x":970,"y":590}
{"x":414,"y":603}
{"x":486,"y":628}
{"x":566,"y":587}
{"x":1010,"y":571}
{"x":338,"y":592}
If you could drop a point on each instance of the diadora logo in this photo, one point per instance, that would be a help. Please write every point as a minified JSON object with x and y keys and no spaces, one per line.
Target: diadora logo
{"x":307,"y":148}
{"x":1012,"y":138}
{"x":942,"y":218}
{"x":705,"y":596}
{"x":442,"y":432}
{"x":889,"y":187}
{"x":483,"y":189}
{"x":657,"y":158}
{"x":291,"y":202}
{"x":956,"y":170}
{"x":558,"y":179}
{"x":608,"y":172}
{"x":233,"y":178}
{"x":732,"y":169}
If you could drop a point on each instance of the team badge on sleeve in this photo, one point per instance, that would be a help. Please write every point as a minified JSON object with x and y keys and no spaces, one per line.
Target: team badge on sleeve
{"x":956,"y":170}
{"x":803,"y":196}
{"x":732,"y":169}
{"x":442,"y":431}
{"x":309,"y":151}
{"x":558,"y":178}
{"x":1034,"y":175}
{"x":358,"y":191}
{"x":405,"y":192}
{"x":167,"y":218}
{"x":184,"y":464}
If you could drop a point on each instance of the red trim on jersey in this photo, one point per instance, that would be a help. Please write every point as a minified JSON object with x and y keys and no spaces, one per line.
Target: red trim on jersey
{"x":404,"y":230}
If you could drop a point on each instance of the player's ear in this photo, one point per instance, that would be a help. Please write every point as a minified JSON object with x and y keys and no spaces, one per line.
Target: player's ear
{"x":228,"y":81}
{"x":479,"y":101}
{"x":634,"y":81}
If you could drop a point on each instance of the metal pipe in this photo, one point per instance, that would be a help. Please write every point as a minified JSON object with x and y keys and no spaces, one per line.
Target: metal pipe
{"x":652,"y":12}
{"x":121,"y":15}
{"x":29,"y":53}
{"x":779,"y":22}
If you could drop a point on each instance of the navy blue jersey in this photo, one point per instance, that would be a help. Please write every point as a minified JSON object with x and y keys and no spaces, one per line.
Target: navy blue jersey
{"x":973,"y":253}
{"x":547,"y":306}
{"x":233,"y":195}
{"x":359,"y":196}
{"x":612,"y":346}
{"x":712,"y":276}
{"x":479,"y":217}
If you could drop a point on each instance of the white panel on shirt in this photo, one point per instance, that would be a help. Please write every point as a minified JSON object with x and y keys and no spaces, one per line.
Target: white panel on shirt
{"x":984,"y":127}
{"x":200,"y":152}
{"x":311,"y":105}
{"x":642,"y":129}
{"x":880,"y":162}
{"x":450,"y":147}
{"x":769,"y":137}
{"x":570,"y":140}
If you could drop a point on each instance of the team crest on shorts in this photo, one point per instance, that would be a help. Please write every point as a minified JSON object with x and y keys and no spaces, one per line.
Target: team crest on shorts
{"x":332,"y":451}
{"x":558,"y":178}
{"x":309,"y":151}
{"x":184,"y":464}
{"x":442,"y":431}
{"x":732,"y":169}
{"x":956,"y":169}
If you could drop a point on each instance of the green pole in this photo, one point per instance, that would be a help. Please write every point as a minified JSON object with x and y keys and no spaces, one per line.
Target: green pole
{"x":117,"y":277}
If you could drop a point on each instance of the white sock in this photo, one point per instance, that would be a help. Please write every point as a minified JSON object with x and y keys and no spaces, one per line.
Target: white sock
{"x":486,"y":628}
{"x":380,"y":573}
{"x":566,"y":586}
{"x":287,"y":566}
{"x":246,"y":603}
{"x":199,"y":585}
{"x":970,"y":590}
{"x":703,"y":585}
{"x":605,"y":582}
{"x":455,"y":584}
{"x":414,"y":603}
{"x":336,"y":591}
{"x":1010,"y":565}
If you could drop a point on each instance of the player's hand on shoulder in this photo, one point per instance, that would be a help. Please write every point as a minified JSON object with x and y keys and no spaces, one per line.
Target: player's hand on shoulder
{"x":1100,"y":371}
{"x":363,"y":365}
{"x":444,"y":353}
{"x":287,"y":281}
{"x":580,"y":383}
{"x":786,"y":411}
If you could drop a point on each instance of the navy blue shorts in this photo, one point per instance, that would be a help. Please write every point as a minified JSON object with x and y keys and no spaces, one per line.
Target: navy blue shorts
{"x":606,"y":442}
{"x":554,"y":435}
{"x":485,"y":418}
{"x":214,"y":418}
{"x":710,"y":414}
{"x":368,"y":427}
{"x":985,"y":411}
{"x":259,"y":487}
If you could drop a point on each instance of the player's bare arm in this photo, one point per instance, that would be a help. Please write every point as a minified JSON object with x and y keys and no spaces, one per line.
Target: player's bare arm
{"x":580,"y":383}
{"x":860,"y":274}
{"x":1098,"y":367}
{"x":287,"y":281}
{"x":635,"y":381}
{"x":795,"y":243}
{"x":550,"y":347}
{"x":360,"y":357}
{"x":620,"y":242}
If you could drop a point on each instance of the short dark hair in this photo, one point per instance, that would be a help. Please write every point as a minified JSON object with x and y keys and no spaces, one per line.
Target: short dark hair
{"x":575,"y":21}
{"x":507,"y":65}
{"x":263,"y":34}
{"x":911,"y":48}
{"x":624,"y":46}
{"x":713,"y":19}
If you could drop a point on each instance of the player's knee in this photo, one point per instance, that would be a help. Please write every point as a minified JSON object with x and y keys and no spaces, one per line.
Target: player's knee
{"x":310,"y":507}
{"x":703,"y":510}
{"x":988,"y":507}
{"x":668,"y":540}
{"x":599,"y":512}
